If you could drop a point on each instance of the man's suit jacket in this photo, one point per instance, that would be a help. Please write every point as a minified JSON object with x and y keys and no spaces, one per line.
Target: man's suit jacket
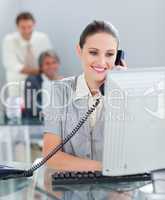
{"x":33,"y":96}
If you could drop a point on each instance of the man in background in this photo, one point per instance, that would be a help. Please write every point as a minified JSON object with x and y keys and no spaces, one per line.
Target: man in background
{"x":37,"y":87}
{"x":21,"y":50}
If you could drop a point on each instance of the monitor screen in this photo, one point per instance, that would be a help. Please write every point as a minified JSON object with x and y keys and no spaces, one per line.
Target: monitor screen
{"x":134,"y":134}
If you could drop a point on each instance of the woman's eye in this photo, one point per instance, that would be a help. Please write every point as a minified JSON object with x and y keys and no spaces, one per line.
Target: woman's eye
{"x":93,"y":53}
{"x":109,"y":54}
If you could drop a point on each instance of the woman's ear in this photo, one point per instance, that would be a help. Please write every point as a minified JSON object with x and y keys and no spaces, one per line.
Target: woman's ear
{"x":78,"y":50}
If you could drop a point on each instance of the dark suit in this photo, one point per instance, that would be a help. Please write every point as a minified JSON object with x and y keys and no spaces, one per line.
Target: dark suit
{"x":32,"y":85}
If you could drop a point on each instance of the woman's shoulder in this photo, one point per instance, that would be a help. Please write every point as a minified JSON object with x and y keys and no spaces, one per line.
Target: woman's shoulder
{"x":68,"y":82}
{"x":63,"y":89}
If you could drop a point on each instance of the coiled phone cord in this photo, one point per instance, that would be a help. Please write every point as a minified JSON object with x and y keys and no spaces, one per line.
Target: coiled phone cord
{"x":66,"y":139}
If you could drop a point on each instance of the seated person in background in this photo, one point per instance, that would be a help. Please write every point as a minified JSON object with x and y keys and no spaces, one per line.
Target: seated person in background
{"x":21,"y":50}
{"x":97,"y":50}
{"x":49,"y":63}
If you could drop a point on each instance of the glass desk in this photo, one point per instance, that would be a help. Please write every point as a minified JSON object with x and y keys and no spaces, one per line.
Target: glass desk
{"x":17,"y":136}
{"x":23,"y":121}
{"x":39,"y":187}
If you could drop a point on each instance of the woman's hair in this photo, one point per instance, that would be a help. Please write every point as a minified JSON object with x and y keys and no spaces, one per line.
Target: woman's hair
{"x":45,"y":54}
{"x":98,"y":27}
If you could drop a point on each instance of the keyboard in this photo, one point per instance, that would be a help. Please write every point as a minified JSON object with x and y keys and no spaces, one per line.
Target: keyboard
{"x":68,"y":177}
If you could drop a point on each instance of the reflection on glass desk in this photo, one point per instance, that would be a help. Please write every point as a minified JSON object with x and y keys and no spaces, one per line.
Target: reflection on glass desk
{"x":39,"y":187}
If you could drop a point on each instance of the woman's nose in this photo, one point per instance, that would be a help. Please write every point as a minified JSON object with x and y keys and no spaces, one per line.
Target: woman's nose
{"x":101,"y":60}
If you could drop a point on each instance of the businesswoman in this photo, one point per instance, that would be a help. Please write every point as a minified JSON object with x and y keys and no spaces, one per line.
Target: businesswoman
{"x":73,"y":96}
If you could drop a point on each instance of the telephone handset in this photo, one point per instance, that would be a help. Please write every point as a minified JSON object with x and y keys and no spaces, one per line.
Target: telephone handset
{"x":119,"y":57}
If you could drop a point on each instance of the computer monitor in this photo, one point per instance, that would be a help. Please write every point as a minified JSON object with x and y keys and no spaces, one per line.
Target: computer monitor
{"x":134,"y":134}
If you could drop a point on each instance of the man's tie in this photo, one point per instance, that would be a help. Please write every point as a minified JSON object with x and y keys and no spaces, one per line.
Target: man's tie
{"x":29,"y":57}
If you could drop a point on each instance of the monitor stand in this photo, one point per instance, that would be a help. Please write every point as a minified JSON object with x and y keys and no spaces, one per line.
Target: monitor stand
{"x":158,"y":179}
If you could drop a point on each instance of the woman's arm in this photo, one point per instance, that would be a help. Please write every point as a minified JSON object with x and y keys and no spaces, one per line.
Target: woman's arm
{"x":64,"y":161}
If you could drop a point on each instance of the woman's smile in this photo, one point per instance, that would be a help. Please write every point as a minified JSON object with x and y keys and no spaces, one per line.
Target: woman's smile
{"x":99,"y":69}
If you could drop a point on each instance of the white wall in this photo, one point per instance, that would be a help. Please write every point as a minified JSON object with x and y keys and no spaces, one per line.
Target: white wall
{"x":140,"y":23}
{"x":8,"y":10}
